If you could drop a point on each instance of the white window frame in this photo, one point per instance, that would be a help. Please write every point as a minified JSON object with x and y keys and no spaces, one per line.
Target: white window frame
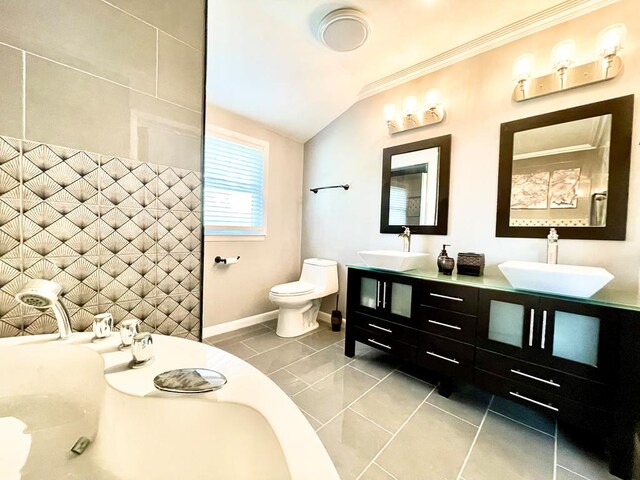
{"x":252,"y":142}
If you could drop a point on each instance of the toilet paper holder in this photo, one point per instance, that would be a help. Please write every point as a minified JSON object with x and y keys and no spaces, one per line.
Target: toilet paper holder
{"x":226,"y":261}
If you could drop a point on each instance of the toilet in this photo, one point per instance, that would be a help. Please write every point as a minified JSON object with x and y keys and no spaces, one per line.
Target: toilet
{"x":299,"y":302}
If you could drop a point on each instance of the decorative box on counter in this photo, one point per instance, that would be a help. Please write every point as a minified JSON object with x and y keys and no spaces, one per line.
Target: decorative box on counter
{"x":471,"y":264}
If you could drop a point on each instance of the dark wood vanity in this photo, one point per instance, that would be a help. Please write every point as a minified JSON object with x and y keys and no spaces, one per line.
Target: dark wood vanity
{"x":575,"y":359}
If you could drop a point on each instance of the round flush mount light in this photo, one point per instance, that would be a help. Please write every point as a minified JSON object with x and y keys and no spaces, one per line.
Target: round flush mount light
{"x":344,"y":29}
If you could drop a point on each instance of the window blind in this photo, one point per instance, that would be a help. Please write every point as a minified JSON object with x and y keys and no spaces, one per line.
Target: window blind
{"x":397,"y":206}
{"x":234,"y":180}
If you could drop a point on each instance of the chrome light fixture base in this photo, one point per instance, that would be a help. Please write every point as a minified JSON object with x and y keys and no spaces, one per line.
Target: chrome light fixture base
{"x":568,"y":78}
{"x":431,"y":116}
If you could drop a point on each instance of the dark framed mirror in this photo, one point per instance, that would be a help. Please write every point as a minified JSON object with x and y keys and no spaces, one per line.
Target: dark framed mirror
{"x":415,"y":187}
{"x":568,"y":170}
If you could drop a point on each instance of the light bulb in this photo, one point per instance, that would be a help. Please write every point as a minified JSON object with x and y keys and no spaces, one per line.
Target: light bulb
{"x":409,"y":106}
{"x":562,"y":54}
{"x":432,"y":98}
{"x":611,"y":39}
{"x":523,"y":67}
{"x":389,"y":112}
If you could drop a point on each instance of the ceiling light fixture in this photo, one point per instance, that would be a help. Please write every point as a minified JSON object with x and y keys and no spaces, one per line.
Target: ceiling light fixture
{"x":567,"y":76}
{"x":344,"y":30}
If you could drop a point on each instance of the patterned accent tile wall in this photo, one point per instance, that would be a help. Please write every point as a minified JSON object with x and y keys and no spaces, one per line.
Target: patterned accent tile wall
{"x":119,"y":235}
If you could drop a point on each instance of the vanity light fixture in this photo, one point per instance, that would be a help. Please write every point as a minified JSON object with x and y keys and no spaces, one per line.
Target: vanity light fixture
{"x":413,"y":116}
{"x":566,"y":75}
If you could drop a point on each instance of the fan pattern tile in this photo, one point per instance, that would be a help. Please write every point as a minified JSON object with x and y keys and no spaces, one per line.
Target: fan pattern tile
{"x":119,"y":235}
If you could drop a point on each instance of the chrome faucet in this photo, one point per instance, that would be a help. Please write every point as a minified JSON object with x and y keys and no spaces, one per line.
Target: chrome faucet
{"x":406,"y":239}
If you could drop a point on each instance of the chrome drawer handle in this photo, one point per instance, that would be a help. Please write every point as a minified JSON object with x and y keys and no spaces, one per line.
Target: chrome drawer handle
{"x":380,"y":344}
{"x":380,"y":328}
{"x":516,"y":394}
{"x":548,"y":382}
{"x":444,"y":325}
{"x":452,"y":360}
{"x":447,"y":297}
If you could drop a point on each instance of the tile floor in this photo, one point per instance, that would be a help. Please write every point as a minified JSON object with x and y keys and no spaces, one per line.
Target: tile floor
{"x":380,"y":420}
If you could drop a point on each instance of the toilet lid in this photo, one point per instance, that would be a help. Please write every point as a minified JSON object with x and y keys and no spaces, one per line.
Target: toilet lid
{"x":292,"y":288}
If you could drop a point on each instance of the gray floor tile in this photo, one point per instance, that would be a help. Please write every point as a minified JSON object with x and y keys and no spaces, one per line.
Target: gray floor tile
{"x":582,"y":453}
{"x":319,"y":365}
{"x":562,"y":474}
{"x":312,"y":421}
{"x":287,"y":382}
{"x":352,"y":442}
{"x":238,"y":349}
{"x":269,"y":362}
{"x":272,"y":324}
{"x":328,"y":397}
{"x":505,"y":449}
{"x":374,"y":472}
{"x":236,"y":336}
{"x":390,"y":403}
{"x":322,"y":338}
{"x":432,"y":445}
{"x":525,"y":415}
{"x":466,"y":402}
{"x":375,"y":363}
{"x":265,"y":342}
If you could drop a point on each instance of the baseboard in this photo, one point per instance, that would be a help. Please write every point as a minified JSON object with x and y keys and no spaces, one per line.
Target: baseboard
{"x":240,"y":323}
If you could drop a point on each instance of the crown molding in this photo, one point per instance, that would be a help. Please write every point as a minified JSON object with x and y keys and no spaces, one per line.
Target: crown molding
{"x":540,"y":21}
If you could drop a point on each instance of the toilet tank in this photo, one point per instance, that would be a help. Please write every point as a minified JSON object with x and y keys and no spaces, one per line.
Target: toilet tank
{"x":321,"y":273}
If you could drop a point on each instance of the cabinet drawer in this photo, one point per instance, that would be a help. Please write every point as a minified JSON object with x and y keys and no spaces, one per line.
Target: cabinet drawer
{"x":517,"y":392}
{"x":384,"y":327}
{"x":559,"y":383}
{"x":449,"y":357}
{"x":458,"y":326}
{"x":386,"y":343}
{"x":449,"y":297}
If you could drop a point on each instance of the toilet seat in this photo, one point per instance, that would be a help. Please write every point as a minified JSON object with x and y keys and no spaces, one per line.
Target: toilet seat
{"x":292,"y":289}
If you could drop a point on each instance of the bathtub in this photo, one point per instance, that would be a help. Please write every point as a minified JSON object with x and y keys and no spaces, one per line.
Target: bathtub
{"x":54,"y":391}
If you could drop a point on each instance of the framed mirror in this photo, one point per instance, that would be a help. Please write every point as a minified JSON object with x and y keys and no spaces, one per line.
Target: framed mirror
{"x":415,"y":187}
{"x":568,"y":170}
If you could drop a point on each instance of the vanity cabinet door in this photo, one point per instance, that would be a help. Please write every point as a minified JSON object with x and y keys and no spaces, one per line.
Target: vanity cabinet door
{"x":579,"y":338}
{"x":387,"y":296}
{"x":507,"y":324}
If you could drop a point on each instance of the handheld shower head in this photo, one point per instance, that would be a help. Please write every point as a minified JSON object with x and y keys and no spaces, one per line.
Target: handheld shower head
{"x":43,"y":294}
{"x":39,"y":293}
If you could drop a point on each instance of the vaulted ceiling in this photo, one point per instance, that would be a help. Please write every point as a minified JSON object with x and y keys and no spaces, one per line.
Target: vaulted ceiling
{"x":265,"y":60}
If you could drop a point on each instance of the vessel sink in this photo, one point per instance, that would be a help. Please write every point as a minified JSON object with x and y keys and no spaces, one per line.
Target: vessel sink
{"x":393,"y":260}
{"x":571,"y":280}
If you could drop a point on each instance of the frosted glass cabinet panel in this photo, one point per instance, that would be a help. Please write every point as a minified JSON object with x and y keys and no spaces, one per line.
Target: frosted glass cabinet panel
{"x":368,"y":292}
{"x":576,"y":337}
{"x":401,"y":299}
{"x":506,"y":323}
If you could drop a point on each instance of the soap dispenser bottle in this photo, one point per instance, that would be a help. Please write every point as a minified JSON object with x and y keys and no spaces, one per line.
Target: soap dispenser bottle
{"x":445,"y":262}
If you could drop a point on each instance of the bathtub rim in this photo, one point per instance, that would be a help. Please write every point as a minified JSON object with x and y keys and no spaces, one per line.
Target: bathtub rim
{"x":304,"y":453}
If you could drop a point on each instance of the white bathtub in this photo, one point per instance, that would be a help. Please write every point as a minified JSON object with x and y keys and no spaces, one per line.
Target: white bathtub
{"x":52,"y":392}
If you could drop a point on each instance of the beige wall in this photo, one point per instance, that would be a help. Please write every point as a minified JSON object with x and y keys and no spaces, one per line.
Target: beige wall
{"x":478,"y":99}
{"x":120,"y":78}
{"x":241,"y":290}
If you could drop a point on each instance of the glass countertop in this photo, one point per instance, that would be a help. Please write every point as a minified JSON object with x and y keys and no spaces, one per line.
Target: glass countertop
{"x":607,"y":297}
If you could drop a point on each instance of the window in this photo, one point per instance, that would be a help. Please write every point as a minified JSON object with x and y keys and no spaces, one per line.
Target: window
{"x":234,"y":184}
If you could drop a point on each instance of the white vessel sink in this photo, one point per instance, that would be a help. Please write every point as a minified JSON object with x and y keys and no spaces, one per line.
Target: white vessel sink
{"x":571,"y":280}
{"x":393,"y":260}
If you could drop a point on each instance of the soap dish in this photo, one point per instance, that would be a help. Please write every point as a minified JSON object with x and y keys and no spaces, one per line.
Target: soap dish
{"x":189,"y":380}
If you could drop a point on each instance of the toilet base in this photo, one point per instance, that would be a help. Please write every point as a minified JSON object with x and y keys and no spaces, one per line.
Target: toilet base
{"x":294,"y":321}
